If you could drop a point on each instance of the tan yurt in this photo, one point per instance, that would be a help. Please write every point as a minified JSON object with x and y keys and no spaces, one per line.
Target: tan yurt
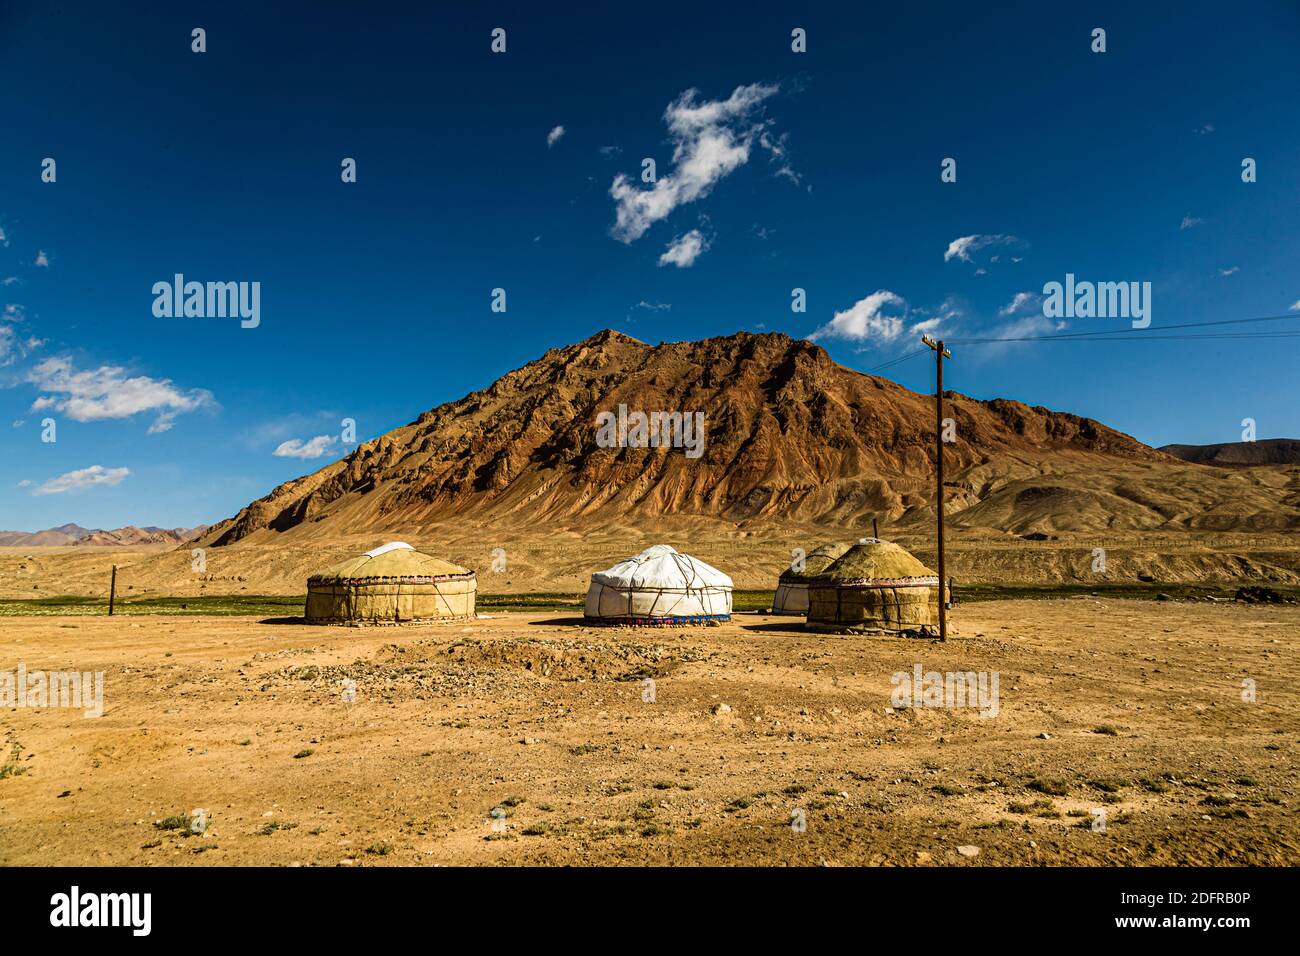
{"x":875,"y":586}
{"x":659,"y":586}
{"x":393,"y":584}
{"x":792,"y":585}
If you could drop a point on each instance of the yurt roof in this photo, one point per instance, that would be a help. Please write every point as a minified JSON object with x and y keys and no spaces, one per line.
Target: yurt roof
{"x":395,"y":561}
{"x":872,"y":559}
{"x":662,"y":567}
{"x":815,"y":562}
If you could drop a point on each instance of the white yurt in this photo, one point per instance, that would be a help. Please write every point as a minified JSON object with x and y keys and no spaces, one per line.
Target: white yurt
{"x":659,"y":586}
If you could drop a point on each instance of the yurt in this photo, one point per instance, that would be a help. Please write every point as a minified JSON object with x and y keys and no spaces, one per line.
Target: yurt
{"x":394,"y":584}
{"x":659,"y":586}
{"x":792,"y":585}
{"x":875,"y":586}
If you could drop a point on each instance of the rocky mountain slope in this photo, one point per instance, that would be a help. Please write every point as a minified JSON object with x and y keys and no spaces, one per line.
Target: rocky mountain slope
{"x":792,"y":437}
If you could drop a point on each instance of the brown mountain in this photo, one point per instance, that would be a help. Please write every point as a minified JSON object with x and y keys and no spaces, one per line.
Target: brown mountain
{"x":791,"y":437}
{"x":1269,"y":451}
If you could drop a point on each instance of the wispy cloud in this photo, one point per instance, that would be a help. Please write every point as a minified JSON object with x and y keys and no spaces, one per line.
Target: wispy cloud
{"x":684,"y":250}
{"x":1189,"y":222}
{"x":108,"y":392}
{"x":42,"y":260}
{"x":964,"y":248}
{"x":312,"y":448}
{"x":711,"y":139}
{"x":1231,"y":270}
{"x":553,"y":136}
{"x":1020,"y":302}
{"x":653,"y":306}
{"x":81,"y":479}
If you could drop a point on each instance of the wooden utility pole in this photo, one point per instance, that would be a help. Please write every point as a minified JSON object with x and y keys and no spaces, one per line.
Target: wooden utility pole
{"x":112,"y":591}
{"x":875,"y":531}
{"x":940,"y":353}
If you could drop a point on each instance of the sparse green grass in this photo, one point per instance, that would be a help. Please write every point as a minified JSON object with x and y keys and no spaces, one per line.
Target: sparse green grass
{"x":1041,"y":807}
{"x":215,"y":605}
{"x":948,"y":790}
{"x":179,"y":821}
{"x":266,"y":829}
{"x":379,"y":849}
{"x":1106,"y":730}
{"x":1051,"y":787}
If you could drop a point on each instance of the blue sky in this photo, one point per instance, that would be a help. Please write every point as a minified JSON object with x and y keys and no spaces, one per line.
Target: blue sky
{"x":817,"y":171}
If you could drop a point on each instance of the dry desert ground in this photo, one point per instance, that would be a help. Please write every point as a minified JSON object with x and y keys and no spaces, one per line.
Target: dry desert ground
{"x":1131,"y":707}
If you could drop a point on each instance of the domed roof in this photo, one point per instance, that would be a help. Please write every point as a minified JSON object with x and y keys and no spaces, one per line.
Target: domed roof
{"x":815,"y":562}
{"x":396,"y":561}
{"x":873,"y":560}
{"x":662,"y":567}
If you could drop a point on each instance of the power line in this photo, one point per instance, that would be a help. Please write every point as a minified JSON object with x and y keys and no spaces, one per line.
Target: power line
{"x":1123,"y":335}
{"x":1101,"y":334}
{"x":900,"y":359}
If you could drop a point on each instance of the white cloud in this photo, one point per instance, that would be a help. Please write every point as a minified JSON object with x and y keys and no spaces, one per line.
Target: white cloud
{"x":940,"y":320}
{"x":312,"y":448}
{"x":1190,"y":221}
{"x":610,"y":151}
{"x":553,"y":136}
{"x":684,"y":250}
{"x":1231,"y":270}
{"x":42,"y":260}
{"x":83,"y":478}
{"x":1019,"y":303}
{"x":10,"y":280}
{"x":873,"y":319}
{"x":1295,"y":306}
{"x":108,"y":392}
{"x":13,"y":348}
{"x":711,"y":139}
{"x":654,"y":306}
{"x":965,"y":247}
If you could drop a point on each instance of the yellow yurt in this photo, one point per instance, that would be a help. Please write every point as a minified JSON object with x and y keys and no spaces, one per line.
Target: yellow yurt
{"x":393,"y":584}
{"x":792,"y":585}
{"x":875,"y":586}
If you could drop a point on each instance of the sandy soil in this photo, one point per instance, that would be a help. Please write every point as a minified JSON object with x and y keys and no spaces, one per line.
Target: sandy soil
{"x":1133,"y":707}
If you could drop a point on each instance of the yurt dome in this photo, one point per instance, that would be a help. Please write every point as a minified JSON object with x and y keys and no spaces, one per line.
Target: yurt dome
{"x":792,"y":585}
{"x":875,"y":586}
{"x":659,"y":586}
{"x":393,"y":584}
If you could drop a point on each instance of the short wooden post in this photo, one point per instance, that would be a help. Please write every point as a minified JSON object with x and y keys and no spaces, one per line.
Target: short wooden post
{"x":875,"y":530}
{"x":112,"y":591}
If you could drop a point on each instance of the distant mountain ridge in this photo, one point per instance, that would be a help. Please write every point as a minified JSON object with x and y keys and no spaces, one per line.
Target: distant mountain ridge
{"x":70,"y":534}
{"x":1268,"y":451}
